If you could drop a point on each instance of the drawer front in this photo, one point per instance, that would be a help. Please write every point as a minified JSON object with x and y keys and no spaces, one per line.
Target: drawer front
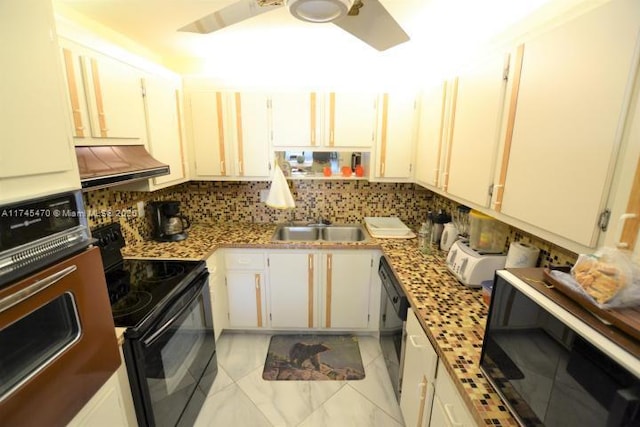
{"x":244,"y":261}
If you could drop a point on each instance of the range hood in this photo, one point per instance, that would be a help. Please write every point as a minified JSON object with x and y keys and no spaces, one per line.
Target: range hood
{"x":104,"y":166}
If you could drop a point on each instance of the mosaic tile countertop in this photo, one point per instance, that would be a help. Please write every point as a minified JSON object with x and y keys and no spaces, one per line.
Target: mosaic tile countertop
{"x":452,"y":315}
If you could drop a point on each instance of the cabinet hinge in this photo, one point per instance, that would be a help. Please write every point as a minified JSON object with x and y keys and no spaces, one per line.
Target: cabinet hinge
{"x":490,"y":190}
{"x":505,"y":68}
{"x":268,"y":257}
{"x":269,"y":316}
{"x":225,"y":281}
{"x":603,"y":222}
{"x":143,"y":89}
{"x":228,"y":316}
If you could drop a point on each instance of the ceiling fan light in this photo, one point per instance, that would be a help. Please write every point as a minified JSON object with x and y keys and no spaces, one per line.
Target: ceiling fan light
{"x":319,"y":10}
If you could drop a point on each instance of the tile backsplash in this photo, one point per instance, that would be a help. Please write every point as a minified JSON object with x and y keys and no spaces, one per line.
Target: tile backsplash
{"x":338,"y":201}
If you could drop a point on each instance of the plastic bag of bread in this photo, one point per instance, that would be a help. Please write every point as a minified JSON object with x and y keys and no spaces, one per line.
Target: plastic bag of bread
{"x":608,"y":277}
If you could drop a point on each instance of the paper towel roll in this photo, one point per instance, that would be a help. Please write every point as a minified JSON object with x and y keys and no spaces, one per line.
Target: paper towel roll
{"x":521,"y":255}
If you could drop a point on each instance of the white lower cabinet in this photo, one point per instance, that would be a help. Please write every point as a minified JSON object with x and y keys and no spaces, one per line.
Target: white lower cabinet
{"x":245,"y":285}
{"x":293,"y":289}
{"x":429,"y":396}
{"x":218,"y":290}
{"x":111,"y":406}
{"x":448,"y":407}
{"x":418,"y":376}
{"x":322,"y":289}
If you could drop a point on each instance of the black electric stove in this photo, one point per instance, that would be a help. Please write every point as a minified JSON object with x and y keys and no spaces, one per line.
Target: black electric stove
{"x":165,"y":306}
{"x":137,"y":287}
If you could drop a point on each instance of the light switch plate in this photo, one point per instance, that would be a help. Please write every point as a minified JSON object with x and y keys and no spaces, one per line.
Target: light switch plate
{"x":140,"y":207}
{"x":263,"y":195}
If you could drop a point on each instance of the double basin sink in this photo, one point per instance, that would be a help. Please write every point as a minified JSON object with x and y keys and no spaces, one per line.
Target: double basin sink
{"x":328,"y":233}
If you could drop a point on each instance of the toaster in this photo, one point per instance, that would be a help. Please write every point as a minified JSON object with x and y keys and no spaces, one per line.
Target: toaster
{"x":470,"y":267}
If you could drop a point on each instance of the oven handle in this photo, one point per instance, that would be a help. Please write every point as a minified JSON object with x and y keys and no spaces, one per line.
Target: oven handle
{"x":170,"y":322}
{"x":31,"y":290}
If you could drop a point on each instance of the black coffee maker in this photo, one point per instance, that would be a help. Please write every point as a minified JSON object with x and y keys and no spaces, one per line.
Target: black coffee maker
{"x":167,"y":223}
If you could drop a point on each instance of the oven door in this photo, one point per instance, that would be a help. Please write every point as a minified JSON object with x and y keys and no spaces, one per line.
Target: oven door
{"x":57,"y":341}
{"x":173,"y":358}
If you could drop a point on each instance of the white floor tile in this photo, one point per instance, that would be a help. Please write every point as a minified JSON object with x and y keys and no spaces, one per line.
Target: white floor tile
{"x":349,"y":408}
{"x":376,"y":386}
{"x":287,"y":403}
{"x":240,"y":397}
{"x":369,"y":348}
{"x":239,"y":354}
{"x":230,"y":407}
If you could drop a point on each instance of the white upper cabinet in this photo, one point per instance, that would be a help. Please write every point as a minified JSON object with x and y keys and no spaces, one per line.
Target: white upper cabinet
{"x":163,"y":109}
{"x":571,"y":105}
{"x":252,"y":152}
{"x":110,"y":90}
{"x":294,"y":119}
{"x":36,"y":154}
{"x":350,"y":119}
{"x":394,"y":153}
{"x":430,"y":142}
{"x":229,"y":134}
{"x":208,"y":113}
{"x":330,"y":120}
{"x":474,"y":126}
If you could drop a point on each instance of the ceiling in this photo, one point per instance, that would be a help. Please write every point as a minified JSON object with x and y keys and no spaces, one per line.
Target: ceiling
{"x":276,"y":46}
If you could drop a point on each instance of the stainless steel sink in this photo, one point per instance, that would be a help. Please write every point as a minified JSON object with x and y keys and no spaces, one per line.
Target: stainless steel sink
{"x":344,"y":233}
{"x":329,"y":233}
{"x":295,"y":232}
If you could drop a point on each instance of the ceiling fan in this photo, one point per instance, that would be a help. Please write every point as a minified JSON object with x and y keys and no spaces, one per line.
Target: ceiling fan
{"x":367,"y":20}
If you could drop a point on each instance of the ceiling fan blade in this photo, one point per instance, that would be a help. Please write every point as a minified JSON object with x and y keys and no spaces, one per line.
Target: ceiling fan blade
{"x":232,"y":14}
{"x":374,"y":26}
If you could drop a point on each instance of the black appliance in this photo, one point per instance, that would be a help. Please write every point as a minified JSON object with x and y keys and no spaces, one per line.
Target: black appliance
{"x":393,"y":315}
{"x":167,"y":223}
{"x":169,"y":345}
{"x":550,"y":367}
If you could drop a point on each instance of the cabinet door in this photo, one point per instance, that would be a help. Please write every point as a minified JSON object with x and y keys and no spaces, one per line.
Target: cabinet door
{"x":208,"y":113}
{"x":218,"y":290}
{"x":294,"y":119}
{"x":347,"y":289}
{"x":164,"y":132}
{"x":245,"y":294}
{"x":292,"y":290}
{"x":36,"y":153}
{"x":394,"y":156}
{"x":418,"y":376}
{"x":252,"y":135}
{"x":351,"y":119}
{"x":448,"y":407}
{"x":114,"y":98}
{"x":570,"y":111}
{"x":431,"y":134}
{"x":475,"y":126}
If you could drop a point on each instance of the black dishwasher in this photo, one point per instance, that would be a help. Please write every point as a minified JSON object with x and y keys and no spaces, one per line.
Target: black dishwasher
{"x":393,"y":315}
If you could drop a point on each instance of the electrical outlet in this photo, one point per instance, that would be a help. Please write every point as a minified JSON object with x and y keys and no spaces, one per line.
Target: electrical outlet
{"x":140,"y":209}
{"x":263,"y":195}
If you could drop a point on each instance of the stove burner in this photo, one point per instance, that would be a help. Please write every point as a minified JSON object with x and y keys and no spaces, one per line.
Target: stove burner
{"x":160,"y":273}
{"x":133,"y":302}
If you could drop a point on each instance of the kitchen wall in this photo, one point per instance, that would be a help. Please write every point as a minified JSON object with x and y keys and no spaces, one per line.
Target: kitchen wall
{"x":339,"y":201}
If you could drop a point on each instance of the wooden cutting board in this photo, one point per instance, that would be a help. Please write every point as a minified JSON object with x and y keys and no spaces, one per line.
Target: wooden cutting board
{"x":626,"y":319}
